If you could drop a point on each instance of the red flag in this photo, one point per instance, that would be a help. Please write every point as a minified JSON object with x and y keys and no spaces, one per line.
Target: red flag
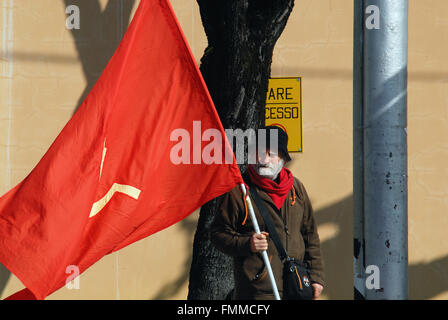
{"x":109,"y":179}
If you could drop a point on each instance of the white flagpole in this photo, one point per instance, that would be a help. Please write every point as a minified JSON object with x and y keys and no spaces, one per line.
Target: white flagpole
{"x":263,"y":253}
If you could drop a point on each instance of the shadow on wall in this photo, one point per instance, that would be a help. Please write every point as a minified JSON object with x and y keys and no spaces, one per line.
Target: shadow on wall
{"x":427,"y":280}
{"x":337,"y":251}
{"x":99,"y":35}
{"x":169,"y":290}
{"x":4,"y":277}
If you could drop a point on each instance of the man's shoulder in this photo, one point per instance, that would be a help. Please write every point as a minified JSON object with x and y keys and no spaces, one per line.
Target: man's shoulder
{"x":300,"y":188}
{"x":298,"y":183}
{"x":234,"y":193}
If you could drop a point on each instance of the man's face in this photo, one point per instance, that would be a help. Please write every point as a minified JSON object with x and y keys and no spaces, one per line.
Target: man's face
{"x":269,"y":164}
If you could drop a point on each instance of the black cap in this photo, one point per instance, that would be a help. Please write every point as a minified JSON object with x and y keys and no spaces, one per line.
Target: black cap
{"x":282,"y":140}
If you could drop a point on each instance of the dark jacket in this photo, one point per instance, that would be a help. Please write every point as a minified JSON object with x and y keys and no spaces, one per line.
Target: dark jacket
{"x":301,"y":240}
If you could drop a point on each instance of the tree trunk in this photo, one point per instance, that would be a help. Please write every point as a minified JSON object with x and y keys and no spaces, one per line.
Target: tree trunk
{"x":236,"y":67}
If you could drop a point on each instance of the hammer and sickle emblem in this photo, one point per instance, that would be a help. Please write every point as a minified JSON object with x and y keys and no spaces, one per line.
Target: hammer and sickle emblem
{"x":121,"y":188}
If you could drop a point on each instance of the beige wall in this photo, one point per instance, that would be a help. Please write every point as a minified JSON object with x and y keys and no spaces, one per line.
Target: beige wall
{"x":44,"y":76}
{"x":428,"y":149}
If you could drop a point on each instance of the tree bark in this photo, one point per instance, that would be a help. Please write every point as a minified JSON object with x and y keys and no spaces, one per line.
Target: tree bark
{"x":236,"y":67}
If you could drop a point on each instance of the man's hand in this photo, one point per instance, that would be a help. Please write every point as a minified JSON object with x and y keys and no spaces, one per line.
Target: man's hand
{"x":317,"y":290}
{"x":259,"y":242}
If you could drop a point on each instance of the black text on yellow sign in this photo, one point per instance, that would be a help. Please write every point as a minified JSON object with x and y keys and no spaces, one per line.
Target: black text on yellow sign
{"x":284,"y":109}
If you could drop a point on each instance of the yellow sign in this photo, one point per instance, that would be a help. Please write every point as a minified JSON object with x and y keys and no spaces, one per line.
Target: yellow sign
{"x":284,"y":109}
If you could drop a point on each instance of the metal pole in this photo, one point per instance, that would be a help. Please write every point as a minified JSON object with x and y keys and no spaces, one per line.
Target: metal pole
{"x":385,"y":147}
{"x":358,"y":147}
{"x":263,"y":253}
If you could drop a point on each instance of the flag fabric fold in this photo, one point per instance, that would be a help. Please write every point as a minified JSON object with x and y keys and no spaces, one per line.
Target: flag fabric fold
{"x":108,"y":179}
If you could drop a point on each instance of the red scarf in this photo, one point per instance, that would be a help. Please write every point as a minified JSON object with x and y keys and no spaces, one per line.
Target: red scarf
{"x":277,"y":191}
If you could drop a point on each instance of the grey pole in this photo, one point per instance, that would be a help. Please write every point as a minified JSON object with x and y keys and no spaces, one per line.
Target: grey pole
{"x":358,"y":147}
{"x":385,"y":147}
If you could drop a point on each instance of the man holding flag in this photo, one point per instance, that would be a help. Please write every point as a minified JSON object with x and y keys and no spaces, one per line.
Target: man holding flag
{"x":290,"y":210}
